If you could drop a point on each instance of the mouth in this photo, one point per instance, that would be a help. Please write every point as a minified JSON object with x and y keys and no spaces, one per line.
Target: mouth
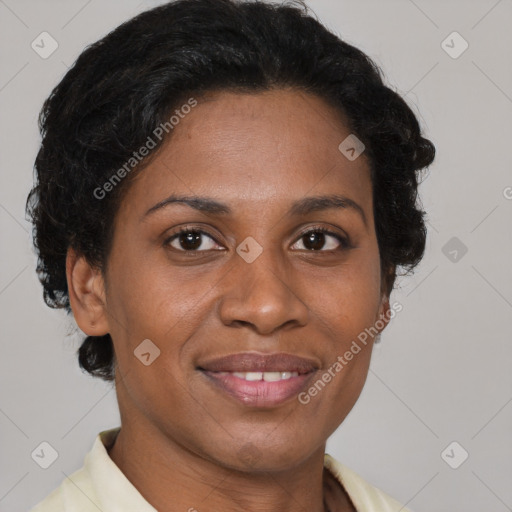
{"x":259,"y":380}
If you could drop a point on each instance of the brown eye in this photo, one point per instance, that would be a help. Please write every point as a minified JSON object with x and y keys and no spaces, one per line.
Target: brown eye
{"x":319,"y":238}
{"x":190,"y":240}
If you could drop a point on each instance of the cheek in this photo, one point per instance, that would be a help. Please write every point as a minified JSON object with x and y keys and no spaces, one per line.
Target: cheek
{"x":152,"y":298}
{"x":165,"y":306}
{"x":156,"y":316}
{"x":346,"y":312}
{"x":350,"y":299}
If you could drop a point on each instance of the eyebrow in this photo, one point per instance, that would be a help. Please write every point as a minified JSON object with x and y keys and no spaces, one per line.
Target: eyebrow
{"x":303,"y":206}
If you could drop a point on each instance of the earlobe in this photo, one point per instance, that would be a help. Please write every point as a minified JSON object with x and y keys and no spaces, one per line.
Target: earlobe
{"x":86,"y":295}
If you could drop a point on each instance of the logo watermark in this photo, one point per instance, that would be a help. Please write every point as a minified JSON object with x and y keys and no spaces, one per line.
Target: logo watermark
{"x":341,"y":361}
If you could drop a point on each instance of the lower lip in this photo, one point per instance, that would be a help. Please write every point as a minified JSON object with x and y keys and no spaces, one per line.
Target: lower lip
{"x":259,"y":393}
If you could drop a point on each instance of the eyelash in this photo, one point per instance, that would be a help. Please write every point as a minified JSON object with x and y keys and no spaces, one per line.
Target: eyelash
{"x":344,"y":242}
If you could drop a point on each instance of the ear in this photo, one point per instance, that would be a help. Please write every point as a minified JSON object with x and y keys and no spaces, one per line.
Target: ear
{"x":383,"y":315}
{"x":86,"y":290}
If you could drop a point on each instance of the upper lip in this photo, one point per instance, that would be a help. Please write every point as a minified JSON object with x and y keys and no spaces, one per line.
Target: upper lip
{"x":258,"y":362}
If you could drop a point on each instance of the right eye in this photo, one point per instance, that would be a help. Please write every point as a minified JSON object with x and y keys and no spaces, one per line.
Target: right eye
{"x":191,"y":240}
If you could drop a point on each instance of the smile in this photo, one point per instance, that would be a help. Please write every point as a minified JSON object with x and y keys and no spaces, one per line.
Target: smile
{"x":259,"y":389}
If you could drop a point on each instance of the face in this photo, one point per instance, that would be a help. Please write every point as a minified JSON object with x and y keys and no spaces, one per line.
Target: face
{"x":266,"y":271}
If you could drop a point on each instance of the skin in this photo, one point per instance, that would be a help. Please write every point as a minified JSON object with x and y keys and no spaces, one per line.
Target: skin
{"x":183,"y":443}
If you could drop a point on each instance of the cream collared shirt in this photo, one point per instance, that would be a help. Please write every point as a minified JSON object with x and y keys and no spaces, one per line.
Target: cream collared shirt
{"x":101,"y":486}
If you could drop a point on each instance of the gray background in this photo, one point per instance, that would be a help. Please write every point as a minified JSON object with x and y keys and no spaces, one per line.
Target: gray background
{"x":442,"y":372}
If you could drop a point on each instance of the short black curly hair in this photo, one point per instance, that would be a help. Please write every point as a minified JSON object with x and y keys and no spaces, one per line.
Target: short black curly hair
{"x":125,"y":85}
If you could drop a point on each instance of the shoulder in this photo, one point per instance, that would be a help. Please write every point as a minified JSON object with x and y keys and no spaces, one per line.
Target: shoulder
{"x":365,"y":496}
{"x":78,"y":492}
{"x":65,"y":498}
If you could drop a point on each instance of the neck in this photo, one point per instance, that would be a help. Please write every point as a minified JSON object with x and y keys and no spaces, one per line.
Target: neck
{"x":171,"y":478}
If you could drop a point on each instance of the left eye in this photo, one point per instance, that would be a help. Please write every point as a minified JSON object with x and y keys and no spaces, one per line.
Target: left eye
{"x":315,"y":239}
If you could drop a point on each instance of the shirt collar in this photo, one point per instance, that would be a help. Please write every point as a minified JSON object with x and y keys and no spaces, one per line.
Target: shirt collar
{"x":114,"y":491}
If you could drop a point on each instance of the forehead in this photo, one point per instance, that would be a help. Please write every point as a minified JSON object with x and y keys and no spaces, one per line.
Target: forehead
{"x":254,"y":149}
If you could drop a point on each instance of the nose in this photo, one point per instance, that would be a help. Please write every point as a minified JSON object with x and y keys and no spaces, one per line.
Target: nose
{"x":260,"y":295}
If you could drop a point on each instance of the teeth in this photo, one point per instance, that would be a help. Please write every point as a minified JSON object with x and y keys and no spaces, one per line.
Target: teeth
{"x":251,"y":375}
{"x":274,"y":376}
{"x":266,"y":376}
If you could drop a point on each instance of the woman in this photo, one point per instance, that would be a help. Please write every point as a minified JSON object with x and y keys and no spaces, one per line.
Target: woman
{"x":225,"y":193}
